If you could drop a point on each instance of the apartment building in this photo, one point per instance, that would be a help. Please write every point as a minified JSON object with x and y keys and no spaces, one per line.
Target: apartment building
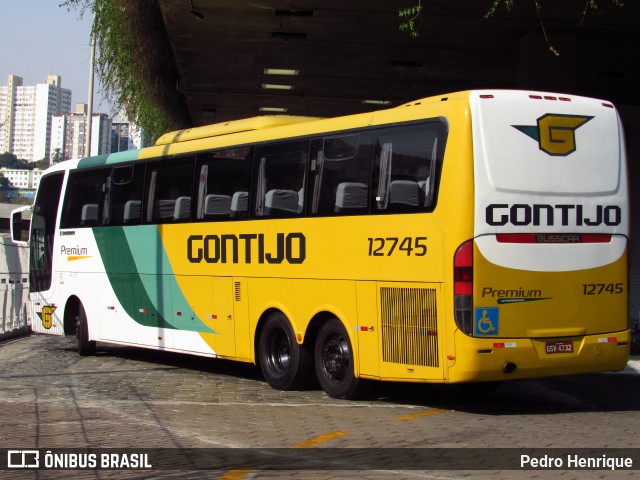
{"x":25,"y":115}
{"x":23,"y":179}
{"x":125,"y":134}
{"x":69,"y":134}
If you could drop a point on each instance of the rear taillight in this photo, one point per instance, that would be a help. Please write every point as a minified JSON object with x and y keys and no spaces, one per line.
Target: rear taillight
{"x":463,"y":287}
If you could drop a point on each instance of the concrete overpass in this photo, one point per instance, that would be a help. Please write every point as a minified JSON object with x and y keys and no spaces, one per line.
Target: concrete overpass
{"x":347,"y":53}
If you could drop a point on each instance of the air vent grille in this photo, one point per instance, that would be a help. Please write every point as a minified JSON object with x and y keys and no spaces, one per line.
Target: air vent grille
{"x":409,"y":326}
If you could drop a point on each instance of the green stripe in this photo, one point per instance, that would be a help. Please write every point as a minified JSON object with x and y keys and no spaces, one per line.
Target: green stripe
{"x":93,"y":161}
{"x":117,"y":157}
{"x":504,"y":301}
{"x":141,"y":276}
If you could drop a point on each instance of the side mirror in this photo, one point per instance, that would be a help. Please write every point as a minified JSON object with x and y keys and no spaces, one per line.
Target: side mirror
{"x":19,"y":228}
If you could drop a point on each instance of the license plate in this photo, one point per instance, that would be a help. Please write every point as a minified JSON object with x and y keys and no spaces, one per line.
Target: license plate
{"x":559,"y":346}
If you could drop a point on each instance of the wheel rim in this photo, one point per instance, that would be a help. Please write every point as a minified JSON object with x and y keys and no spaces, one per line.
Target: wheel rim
{"x":336,"y":358}
{"x":279,"y":354}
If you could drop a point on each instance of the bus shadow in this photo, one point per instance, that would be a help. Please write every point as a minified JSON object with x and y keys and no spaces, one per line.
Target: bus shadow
{"x":157,"y":358}
{"x":599,"y":392}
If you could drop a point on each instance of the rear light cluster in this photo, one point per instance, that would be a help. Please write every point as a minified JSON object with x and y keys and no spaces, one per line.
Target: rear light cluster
{"x":549,"y":97}
{"x":537,"y":97}
{"x":463,"y":287}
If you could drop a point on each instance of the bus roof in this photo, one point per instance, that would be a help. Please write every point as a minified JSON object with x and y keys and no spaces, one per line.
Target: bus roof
{"x":257,"y":129}
{"x":234,"y":126}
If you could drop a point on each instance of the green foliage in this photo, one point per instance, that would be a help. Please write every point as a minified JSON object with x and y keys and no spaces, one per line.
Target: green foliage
{"x":409,"y":17}
{"x":508,"y":5}
{"x":44,"y":163}
{"x":4,"y":181}
{"x":121,"y":62}
{"x":9,"y":160}
{"x":593,"y":5}
{"x":120,"y":71}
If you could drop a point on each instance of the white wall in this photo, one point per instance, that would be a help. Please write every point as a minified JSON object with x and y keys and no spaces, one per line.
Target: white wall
{"x":15,"y":315}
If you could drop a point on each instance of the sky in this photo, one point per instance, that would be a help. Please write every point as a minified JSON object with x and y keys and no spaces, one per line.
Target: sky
{"x":40,"y":38}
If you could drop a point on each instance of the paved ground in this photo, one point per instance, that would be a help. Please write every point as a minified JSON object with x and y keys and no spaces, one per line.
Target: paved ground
{"x":51,"y":399}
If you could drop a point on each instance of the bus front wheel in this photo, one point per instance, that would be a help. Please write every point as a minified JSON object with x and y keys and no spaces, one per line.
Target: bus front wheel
{"x":86,"y":347}
{"x":285,"y":364}
{"x":333,"y":357}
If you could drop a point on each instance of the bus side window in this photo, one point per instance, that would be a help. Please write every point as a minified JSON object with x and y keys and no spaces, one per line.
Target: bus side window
{"x":280,"y":178}
{"x":407,"y":167}
{"x":169,"y":190}
{"x":81,"y":206}
{"x":123,"y":195}
{"x":342,"y":175}
{"x":224,"y":176}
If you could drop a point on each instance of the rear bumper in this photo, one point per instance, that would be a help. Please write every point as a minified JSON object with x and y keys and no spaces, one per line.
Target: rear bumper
{"x":490,"y":359}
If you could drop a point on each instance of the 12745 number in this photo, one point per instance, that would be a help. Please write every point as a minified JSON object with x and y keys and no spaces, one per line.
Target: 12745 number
{"x":410,"y":246}
{"x":602,"y":288}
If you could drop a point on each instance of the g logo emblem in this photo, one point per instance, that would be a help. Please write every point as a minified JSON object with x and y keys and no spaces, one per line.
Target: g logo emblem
{"x":555,"y":133}
{"x":47,"y":316}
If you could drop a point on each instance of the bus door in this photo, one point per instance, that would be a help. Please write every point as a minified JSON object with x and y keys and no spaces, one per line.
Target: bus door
{"x":224,"y":323}
{"x":41,"y":253}
{"x":204,"y":305}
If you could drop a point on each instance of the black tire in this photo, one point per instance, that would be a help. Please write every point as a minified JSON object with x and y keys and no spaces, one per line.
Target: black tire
{"x":285,"y":364}
{"x":333,"y":357}
{"x":86,"y":347}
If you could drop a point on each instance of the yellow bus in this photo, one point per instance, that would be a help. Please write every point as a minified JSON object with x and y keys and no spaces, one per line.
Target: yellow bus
{"x":478,"y":236}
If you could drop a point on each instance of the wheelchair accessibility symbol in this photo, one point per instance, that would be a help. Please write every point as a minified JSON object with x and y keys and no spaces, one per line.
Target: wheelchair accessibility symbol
{"x":487,"y":322}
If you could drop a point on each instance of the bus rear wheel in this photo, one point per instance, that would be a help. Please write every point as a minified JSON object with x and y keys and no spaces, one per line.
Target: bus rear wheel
{"x":333,"y":357}
{"x":285,"y":364}
{"x":86,"y":347}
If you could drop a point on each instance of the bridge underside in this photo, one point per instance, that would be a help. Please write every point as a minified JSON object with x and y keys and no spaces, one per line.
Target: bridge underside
{"x":349,"y":57}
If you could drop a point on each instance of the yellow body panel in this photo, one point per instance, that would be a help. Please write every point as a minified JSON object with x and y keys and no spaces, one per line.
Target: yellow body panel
{"x":552,"y":304}
{"x":484,"y":359}
{"x":543,"y":307}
